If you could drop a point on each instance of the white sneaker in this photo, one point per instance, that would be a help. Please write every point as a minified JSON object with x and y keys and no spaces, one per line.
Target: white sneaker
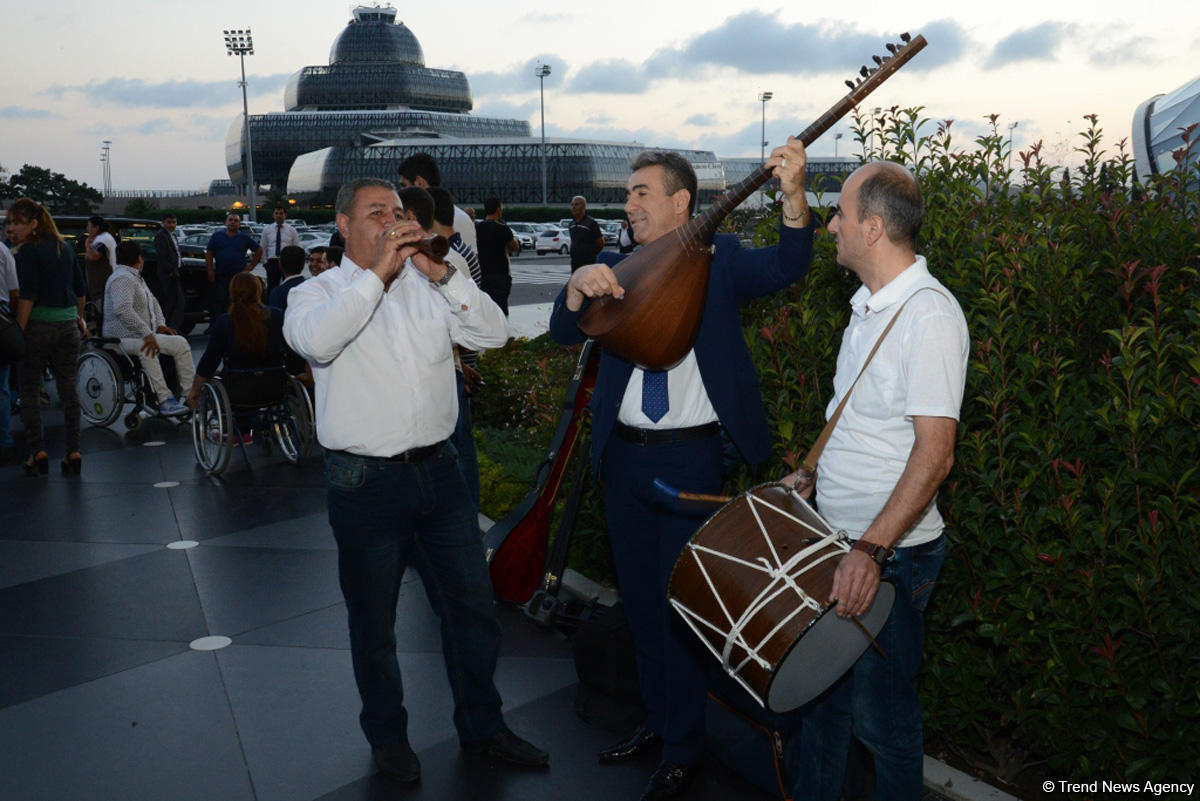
{"x":173,"y":408}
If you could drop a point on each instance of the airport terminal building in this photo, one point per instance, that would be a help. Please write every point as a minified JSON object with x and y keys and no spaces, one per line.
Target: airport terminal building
{"x":376,"y":103}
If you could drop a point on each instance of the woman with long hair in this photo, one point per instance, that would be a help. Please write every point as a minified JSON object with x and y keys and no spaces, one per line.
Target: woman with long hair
{"x":249,"y":335}
{"x":50,"y":312}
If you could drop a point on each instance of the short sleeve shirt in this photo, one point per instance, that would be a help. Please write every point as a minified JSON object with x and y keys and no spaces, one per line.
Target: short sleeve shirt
{"x":584,"y":233}
{"x":919,"y":371}
{"x":493,"y":238}
{"x":229,"y":252}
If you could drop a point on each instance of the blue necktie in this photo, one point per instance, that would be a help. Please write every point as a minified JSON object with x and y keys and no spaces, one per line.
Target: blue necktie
{"x":654,"y":394}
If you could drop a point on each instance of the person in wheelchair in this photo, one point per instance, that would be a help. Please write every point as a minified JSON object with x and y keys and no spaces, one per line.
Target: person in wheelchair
{"x":249,"y":336}
{"x":132,"y":315}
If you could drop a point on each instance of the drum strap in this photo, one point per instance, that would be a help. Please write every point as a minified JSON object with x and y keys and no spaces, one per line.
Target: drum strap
{"x":814,"y":453}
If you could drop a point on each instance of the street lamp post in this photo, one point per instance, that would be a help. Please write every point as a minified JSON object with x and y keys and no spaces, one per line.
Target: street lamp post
{"x":1011,"y":126}
{"x":836,"y":137}
{"x":764,"y":97}
{"x":241,"y":44}
{"x":541,"y":72}
{"x":105,"y":159}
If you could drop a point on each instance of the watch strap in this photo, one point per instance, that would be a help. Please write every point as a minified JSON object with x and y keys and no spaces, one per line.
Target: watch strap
{"x":878,"y":553}
{"x":445,"y":279}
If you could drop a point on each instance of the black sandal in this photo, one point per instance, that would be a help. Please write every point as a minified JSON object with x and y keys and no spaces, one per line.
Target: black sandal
{"x":72,"y":465}
{"x":36,"y":466}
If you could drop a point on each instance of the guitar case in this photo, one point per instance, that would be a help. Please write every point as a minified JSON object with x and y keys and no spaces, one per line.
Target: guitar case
{"x":516,"y":545}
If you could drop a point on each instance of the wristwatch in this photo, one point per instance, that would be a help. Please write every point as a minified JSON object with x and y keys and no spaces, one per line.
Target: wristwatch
{"x":445,"y":279}
{"x":878,"y":553}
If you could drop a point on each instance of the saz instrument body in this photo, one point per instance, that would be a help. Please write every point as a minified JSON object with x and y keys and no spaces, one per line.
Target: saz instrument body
{"x":665,"y":282}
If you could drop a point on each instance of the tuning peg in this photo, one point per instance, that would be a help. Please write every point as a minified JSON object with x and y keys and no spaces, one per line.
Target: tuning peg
{"x":878,"y":60}
{"x":850,"y":84}
{"x":891,"y":48}
{"x":904,"y":37}
{"x":863,"y":72}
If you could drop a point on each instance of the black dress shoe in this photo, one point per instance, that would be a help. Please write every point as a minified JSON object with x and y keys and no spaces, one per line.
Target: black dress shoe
{"x":509,"y":747}
{"x":667,"y":781}
{"x":398,"y":761}
{"x":639,"y":742}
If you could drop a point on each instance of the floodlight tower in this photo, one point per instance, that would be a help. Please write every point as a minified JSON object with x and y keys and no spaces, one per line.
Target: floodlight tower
{"x":541,"y":72}
{"x":241,"y":44}
{"x":764,"y":97}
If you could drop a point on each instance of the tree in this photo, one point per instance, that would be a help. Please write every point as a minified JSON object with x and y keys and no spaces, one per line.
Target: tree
{"x":53,"y":189}
{"x":140,"y":207}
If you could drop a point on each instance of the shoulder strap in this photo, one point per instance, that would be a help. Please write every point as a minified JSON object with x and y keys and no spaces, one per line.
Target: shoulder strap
{"x":814,"y":453}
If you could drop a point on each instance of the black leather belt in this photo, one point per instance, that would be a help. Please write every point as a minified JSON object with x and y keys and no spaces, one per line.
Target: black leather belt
{"x":411,"y":455}
{"x":664,"y":436}
{"x":416,"y":454}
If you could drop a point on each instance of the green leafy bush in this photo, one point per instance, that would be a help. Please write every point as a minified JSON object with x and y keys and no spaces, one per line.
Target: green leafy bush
{"x":1064,"y":619}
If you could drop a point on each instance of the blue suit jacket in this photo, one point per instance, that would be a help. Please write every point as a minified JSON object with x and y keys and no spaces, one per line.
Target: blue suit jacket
{"x":738,"y":275}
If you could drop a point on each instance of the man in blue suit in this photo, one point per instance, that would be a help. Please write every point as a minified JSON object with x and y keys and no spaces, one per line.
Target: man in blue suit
{"x":666,"y":424}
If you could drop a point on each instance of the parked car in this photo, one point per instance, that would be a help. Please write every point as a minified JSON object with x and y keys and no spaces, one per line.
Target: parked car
{"x":310,"y":239}
{"x":552,"y":239}
{"x":525,"y":232}
{"x":194,"y":244}
{"x":193,"y":275}
{"x":610,"y":230}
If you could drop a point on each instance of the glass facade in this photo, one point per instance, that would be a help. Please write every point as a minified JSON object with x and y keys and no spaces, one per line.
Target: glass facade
{"x":375,"y":87}
{"x":821,"y":174}
{"x":510,"y":168}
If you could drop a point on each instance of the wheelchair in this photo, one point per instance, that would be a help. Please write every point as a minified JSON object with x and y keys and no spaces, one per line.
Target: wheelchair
{"x":107,"y":379}
{"x":269,"y":399}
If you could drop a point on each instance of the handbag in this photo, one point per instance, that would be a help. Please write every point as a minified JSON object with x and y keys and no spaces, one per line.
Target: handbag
{"x":12,"y":339}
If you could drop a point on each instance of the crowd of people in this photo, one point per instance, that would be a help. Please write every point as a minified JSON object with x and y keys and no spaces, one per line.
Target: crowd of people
{"x":402,"y":478}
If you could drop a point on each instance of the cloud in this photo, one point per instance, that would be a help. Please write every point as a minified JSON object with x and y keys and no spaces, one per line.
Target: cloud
{"x":757,"y":43}
{"x":518,"y":78}
{"x":702,"y":120}
{"x":507,"y":111}
{"x":137,"y":93}
{"x":1134,"y":50}
{"x":546,"y":18}
{"x":1038,"y":43}
{"x":25,"y":113}
{"x":615,"y":76}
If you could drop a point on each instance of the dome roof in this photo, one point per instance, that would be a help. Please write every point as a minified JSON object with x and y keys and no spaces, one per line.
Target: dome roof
{"x":375,"y":36}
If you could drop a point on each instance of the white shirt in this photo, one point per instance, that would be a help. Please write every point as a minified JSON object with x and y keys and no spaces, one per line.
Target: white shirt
{"x":919,"y":371}
{"x":465,"y":226}
{"x":8,"y":273}
{"x":110,"y":245}
{"x":688,"y":403}
{"x":287,"y":236}
{"x":383,"y":360}
{"x":130,"y":309}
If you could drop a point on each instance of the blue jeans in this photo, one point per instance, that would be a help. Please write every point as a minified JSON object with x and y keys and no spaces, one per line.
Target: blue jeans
{"x":877,"y":699}
{"x":385,"y":516}
{"x":464,"y":442}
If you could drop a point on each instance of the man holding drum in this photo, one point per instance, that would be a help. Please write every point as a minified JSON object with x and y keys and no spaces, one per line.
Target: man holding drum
{"x":878,"y":477}
{"x":666,"y":424}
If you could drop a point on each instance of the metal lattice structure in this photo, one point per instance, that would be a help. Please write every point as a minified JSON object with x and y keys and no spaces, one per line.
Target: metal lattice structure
{"x":375,"y":87}
{"x":511,"y":169}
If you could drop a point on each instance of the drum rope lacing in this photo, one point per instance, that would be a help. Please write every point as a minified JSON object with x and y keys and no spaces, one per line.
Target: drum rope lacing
{"x":782,"y":579}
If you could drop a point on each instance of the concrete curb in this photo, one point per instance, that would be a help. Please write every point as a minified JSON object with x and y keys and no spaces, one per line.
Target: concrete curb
{"x":954,"y":784}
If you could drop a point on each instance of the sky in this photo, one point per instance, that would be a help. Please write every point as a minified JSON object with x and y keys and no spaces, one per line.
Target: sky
{"x":153,"y":77}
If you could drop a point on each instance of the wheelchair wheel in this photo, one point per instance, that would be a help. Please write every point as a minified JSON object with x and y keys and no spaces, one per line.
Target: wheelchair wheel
{"x":99,"y":386}
{"x":213,"y":427}
{"x":294,"y":429}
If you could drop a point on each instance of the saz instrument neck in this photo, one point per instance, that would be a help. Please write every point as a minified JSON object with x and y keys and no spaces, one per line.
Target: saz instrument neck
{"x":704,"y":227}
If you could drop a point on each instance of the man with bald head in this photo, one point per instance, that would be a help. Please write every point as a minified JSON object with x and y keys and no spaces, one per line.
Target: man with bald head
{"x":878,"y":477}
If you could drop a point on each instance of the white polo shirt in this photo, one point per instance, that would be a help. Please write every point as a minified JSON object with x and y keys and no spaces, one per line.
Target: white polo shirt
{"x":382,"y":360}
{"x":920,"y":371}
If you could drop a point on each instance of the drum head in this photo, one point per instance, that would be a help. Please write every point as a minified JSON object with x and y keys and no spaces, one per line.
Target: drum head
{"x":829,"y":648}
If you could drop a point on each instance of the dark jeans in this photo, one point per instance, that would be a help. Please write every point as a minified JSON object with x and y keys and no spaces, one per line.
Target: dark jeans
{"x":647,"y":537}
{"x":877,"y":698}
{"x":385,"y":516}
{"x":218,"y":296}
{"x":274,"y":276}
{"x":6,"y":440}
{"x":464,"y":442}
{"x":56,"y":344}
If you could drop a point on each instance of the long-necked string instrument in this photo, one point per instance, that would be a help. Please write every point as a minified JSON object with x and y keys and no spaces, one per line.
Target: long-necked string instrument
{"x":665,"y":282}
